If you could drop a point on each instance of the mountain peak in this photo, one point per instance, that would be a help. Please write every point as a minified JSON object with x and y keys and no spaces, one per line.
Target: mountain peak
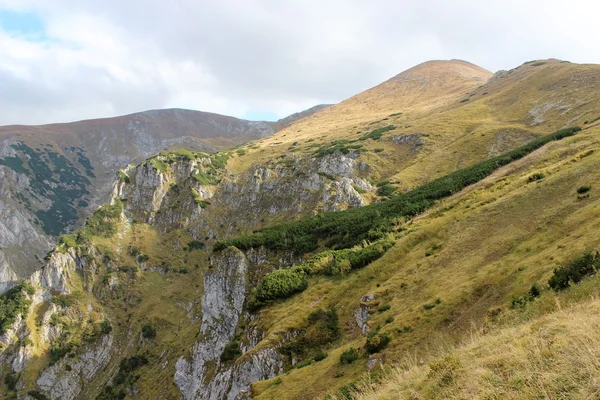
{"x":445,"y":70}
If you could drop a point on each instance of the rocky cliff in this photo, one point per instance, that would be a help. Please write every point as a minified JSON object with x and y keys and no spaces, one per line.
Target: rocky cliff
{"x":52,"y":176}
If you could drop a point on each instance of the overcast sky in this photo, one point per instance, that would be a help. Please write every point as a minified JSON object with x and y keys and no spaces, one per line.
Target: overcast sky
{"x":64,"y":60}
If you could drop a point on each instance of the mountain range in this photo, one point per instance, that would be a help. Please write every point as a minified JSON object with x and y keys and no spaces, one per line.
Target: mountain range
{"x":429,"y":238}
{"x":54,"y":175}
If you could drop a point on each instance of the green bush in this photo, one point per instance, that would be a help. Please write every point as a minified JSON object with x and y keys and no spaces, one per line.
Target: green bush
{"x":349,"y":356}
{"x":37,"y":395}
{"x":384,"y":308}
{"x":348,"y":228}
{"x":195,"y":245}
{"x":347,"y":259}
{"x":105,"y":327}
{"x":10,"y":380}
{"x":231,"y":351}
{"x":376,"y":342}
{"x":102,"y":221}
{"x":281,"y":284}
{"x":12,"y":304}
{"x":584,"y":189}
{"x":376,"y":134}
{"x":386,"y":190}
{"x":322,"y":328}
{"x":535,"y":177}
{"x":69,"y":241}
{"x":575,"y":271}
{"x":58,"y":351}
{"x":64,"y":300}
{"x":521,"y":301}
{"x":123,"y":177}
{"x":148,"y":331}
{"x":333,"y":147}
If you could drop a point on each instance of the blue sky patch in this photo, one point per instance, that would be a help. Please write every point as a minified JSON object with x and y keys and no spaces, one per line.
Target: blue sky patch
{"x":26,"y":24}
{"x":260,"y":116}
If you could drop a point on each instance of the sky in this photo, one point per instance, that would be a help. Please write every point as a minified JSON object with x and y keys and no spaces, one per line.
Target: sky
{"x":67,"y":60}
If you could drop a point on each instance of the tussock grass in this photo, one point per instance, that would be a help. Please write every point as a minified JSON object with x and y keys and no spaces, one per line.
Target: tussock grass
{"x":555,"y":356}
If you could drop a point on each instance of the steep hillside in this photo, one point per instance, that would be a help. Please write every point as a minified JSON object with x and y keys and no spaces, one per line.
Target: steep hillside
{"x":302,"y":270}
{"x":51,"y":176}
{"x":450,"y":113}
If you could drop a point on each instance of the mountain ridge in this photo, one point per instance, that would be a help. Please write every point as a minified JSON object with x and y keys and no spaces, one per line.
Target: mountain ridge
{"x":54,"y":175}
{"x":238,"y":274}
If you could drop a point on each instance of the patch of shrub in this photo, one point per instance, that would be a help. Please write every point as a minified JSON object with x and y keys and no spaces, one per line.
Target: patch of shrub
{"x":105,"y":327}
{"x":379,"y":150}
{"x":195,"y":245}
{"x":521,"y":301}
{"x":58,"y":351}
{"x":206,"y":178}
{"x":148,"y":331}
{"x":344,"y":229}
{"x":124,"y":376}
{"x":594,"y":120}
{"x":64,"y":300}
{"x":12,"y":304}
{"x":69,"y":241}
{"x":349,"y":356}
{"x":386,"y":190}
{"x":535,"y":177}
{"x":123,"y":177}
{"x":320,"y":356}
{"x":575,"y":271}
{"x":584,"y":189}
{"x":376,"y":134}
{"x":10,"y":380}
{"x":231,"y":351}
{"x":537,"y":64}
{"x":429,"y":306}
{"x":322,"y":328}
{"x":102,"y":221}
{"x":384,"y":308}
{"x":333,"y":147}
{"x":376,"y":342}
{"x":37,"y":395}
{"x":281,"y":284}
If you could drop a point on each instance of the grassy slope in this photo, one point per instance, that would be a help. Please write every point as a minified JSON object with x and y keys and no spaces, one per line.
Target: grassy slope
{"x":552,"y":356}
{"x":495,"y":240}
{"x":501,"y":114}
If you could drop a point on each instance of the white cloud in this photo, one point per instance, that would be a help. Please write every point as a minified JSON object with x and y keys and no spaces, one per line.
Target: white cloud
{"x":104,"y":58}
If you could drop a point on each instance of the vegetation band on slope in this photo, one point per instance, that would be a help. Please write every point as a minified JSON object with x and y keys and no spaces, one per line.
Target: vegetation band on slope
{"x":348,"y":228}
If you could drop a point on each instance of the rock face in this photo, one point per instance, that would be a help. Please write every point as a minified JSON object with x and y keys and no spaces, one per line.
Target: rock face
{"x":363,"y":313}
{"x":193,"y":193}
{"x":67,"y":378}
{"x":205,"y":376}
{"x":52,"y":176}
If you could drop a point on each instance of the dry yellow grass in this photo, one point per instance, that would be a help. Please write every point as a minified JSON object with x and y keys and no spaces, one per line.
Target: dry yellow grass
{"x":488,"y":244}
{"x":556,"y":356}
